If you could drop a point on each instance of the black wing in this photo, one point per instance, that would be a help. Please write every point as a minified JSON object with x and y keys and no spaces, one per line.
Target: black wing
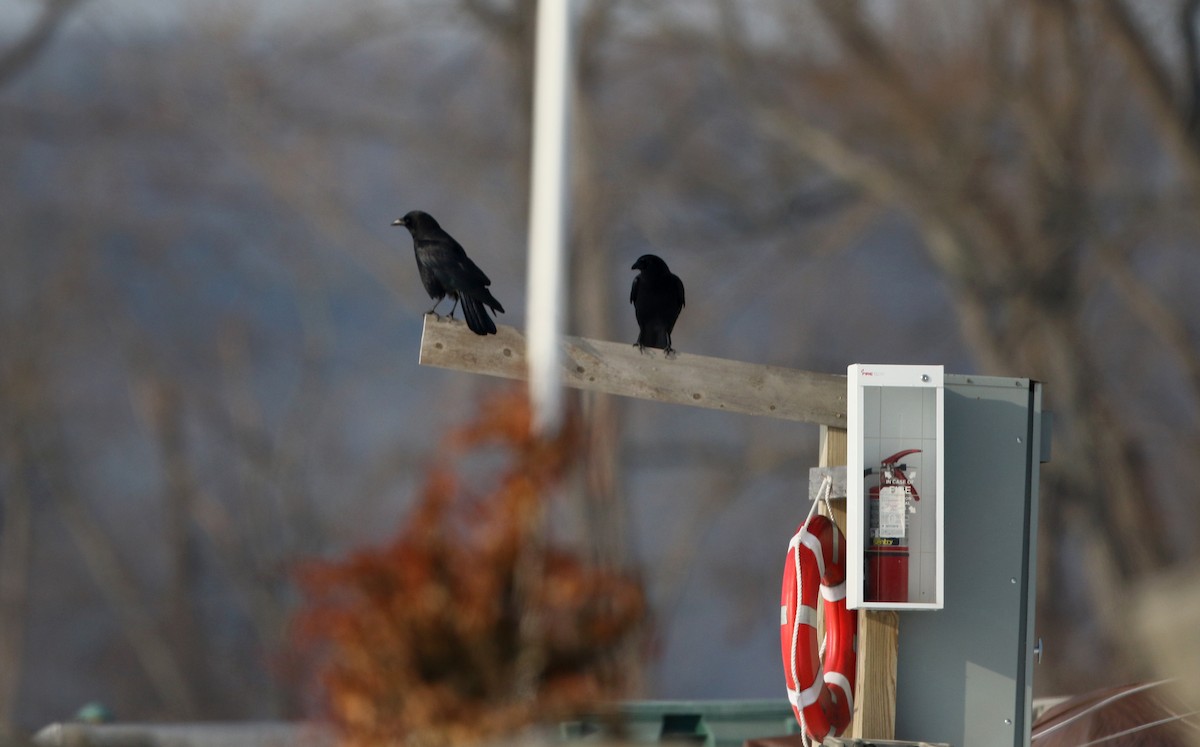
{"x":678,"y":285}
{"x":429,"y":276}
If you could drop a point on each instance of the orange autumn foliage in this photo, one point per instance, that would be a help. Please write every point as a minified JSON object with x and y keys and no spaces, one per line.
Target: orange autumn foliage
{"x":469,"y":624}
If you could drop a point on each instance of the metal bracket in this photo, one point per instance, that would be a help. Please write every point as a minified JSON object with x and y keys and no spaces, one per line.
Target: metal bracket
{"x":816,"y":475}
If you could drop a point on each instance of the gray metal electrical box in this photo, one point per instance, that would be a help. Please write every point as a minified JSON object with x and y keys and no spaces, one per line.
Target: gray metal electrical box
{"x":964,"y":674}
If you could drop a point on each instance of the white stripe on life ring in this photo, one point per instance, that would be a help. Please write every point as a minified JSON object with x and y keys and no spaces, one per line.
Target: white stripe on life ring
{"x":811,"y":694}
{"x":794,"y":698}
{"x":806,"y":616}
{"x":838,"y":679}
{"x":814,"y":544}
{"x":834,"y":593}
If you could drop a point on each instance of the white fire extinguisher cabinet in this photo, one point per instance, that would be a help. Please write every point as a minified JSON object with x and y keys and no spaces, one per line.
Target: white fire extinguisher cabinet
{"x":895,"y":543}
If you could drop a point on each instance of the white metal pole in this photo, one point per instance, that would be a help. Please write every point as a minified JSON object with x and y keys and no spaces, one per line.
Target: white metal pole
{"x":549,"y":210}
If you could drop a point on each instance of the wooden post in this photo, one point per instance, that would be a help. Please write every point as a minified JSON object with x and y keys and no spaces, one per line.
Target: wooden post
{"x":832,"y":453}
{"x":875,"y":676}
{"x":878,"y":648}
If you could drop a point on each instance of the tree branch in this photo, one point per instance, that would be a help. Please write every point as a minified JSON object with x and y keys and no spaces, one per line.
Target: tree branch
{"x":1152,"y":82}
{"x":21,"y":55}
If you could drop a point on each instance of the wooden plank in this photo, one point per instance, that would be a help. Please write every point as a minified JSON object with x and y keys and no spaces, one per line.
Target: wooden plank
{"x":878,"y":634}
{"x":618,"y":368}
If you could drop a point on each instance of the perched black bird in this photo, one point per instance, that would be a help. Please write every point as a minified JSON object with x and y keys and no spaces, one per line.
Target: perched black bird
{"x":446,"y":270}
{"x":657,"y":298}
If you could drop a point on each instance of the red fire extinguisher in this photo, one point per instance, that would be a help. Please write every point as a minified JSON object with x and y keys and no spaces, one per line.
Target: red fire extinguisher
{"x":887,"y":555}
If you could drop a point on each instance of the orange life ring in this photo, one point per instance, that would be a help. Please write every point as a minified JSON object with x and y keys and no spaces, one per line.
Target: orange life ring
{"x":822,"y":697}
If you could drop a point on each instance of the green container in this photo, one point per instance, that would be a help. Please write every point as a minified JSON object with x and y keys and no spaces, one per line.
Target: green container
{"x":711,"y":723}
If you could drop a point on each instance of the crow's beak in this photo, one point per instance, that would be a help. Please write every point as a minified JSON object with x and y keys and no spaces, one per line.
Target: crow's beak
{"x":398,"y":222}
{"x":635,"y":265}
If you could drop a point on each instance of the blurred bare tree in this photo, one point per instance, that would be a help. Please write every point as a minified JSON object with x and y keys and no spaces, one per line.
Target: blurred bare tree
{"x":1044,"y":157}
{"x":154,"y":414}
{"x":208,"y":331}
{"x":1044,"y":152}
{"x":19,"y":55}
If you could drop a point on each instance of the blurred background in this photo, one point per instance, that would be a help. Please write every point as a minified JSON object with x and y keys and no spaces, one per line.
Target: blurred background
{"x":209,"y":330}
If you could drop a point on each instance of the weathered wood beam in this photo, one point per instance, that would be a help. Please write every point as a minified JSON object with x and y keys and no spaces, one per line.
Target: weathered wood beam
{"x":618,"y":368}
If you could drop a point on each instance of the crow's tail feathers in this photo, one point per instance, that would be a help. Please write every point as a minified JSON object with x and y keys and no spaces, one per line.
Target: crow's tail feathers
{"x":486,"y":297}
{"x":654,"y":337}
{"x":477,"y":317}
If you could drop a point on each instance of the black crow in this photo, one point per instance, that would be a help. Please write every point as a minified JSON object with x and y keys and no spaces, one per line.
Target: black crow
{"x":446,"y":270}
{"x":657,"y":298}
